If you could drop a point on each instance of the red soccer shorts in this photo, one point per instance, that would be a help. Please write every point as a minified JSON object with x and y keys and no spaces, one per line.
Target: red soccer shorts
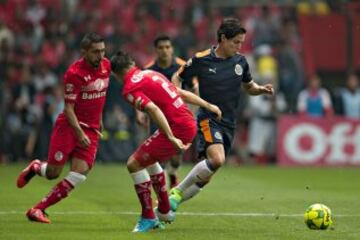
{"x":64,"y":144}
{"x":157,"y":148}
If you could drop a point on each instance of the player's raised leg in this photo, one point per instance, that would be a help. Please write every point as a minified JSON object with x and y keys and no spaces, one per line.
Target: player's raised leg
{"x":198,"y":177}
{"x":36,"y":167}
{"x":50,"y":172}
{"x":61,"y":190}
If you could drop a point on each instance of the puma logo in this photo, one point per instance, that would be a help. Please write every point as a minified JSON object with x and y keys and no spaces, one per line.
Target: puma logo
{"x":213,"y":70}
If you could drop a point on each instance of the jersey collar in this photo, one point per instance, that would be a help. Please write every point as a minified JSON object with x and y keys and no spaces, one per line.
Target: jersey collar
{"x":87,"y":66}
{"x":213,"y":54}
{"x":173,"y":62}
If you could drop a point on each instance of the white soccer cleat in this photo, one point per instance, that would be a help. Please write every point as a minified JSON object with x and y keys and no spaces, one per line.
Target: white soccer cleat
{"x":165,"y":217}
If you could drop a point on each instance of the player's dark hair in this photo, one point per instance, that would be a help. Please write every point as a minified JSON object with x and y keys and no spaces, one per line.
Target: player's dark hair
{"x":89,"y":39}
{"x":160,"y":38}
{"x":120,"y":61}
{"x":230,"y":27}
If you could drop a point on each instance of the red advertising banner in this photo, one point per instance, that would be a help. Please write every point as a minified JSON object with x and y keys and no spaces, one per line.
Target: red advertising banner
{"x":319,"y":34}
{"x":318,"y":141}
{"x":356,"y":40}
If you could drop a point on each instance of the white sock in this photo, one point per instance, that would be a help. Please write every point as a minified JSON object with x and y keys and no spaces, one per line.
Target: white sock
{"x":154,"y":169}
{"x":75,"y":178}
{"x":199,"y":173}
{"x":43,"y":167}
{"x":190,"y":192}
{"x":140,"y":176}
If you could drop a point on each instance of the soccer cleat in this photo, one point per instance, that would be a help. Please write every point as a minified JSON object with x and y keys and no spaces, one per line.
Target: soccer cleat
{"x":27,"y":174}
{"x":37,"y":215}
{"x":146,"y":224}
{"x":166,"y":218}
{"x":175,"y":199}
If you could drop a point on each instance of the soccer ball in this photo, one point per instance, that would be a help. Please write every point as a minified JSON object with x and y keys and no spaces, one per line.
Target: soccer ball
{"x":318,"y":216}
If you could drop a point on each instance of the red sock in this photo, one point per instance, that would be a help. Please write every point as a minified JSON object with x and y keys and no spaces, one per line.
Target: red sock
{"x":60,"y":191}
{"x":159,"y":185}
{"x":144,"y":195}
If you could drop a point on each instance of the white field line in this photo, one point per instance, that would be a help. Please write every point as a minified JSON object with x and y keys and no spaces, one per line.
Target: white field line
{"x":206,"y":214}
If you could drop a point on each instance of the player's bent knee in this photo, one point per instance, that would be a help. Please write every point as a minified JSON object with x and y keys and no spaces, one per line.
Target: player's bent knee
{"x":216,"y":156}
{"x":217,"y":161}
{"x":130,"y":163}
{"x":53,"y":173}
{"x":133,"y":165}
{"x":52,"y":176}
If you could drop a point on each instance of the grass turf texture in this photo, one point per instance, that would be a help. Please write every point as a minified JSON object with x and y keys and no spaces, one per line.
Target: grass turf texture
{"x":105,"y":206}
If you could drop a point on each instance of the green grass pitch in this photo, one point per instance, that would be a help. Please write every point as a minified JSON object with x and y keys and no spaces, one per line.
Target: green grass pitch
{"x":240,"y":203}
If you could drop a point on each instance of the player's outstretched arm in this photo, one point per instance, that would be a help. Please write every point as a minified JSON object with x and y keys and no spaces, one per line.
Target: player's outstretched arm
{"x":74,"y":123}
{"x":190,"y":97}
{"x":176,"y":80}
{"x":254,"y":89}
{"x":159,"y":118}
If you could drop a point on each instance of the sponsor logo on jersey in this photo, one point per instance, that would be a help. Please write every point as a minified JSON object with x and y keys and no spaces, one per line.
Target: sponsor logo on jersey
{"x":87,"y":78}
{"x":213,"y":70}
{"x":59,"y":156}
{"x":70,"y":96}
{"x":69,"y":87}
{"x":90,"y":96}
{"x":238,"y":69}
{"x":218,"y":135}
{"x":98,"y":85}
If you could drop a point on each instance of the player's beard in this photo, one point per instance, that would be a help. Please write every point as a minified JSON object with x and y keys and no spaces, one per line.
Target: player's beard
{"x":96,"y":63}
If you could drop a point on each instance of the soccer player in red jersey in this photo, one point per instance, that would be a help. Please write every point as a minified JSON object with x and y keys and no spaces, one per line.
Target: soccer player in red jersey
{"x":150,"y":91}
{"x":167,"y":64}
{"x":77,"y":130}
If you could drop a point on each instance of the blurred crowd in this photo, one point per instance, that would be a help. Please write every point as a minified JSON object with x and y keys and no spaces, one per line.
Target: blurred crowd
{"x":39,"y":39}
